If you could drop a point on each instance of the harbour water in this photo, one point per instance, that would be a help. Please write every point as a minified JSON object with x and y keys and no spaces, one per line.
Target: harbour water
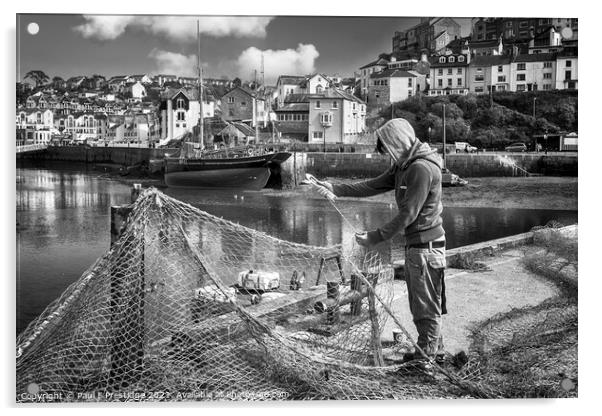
{"x":63,"y":225}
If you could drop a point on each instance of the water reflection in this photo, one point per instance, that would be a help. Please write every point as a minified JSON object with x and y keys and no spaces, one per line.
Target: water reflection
{"x":63,"y":226}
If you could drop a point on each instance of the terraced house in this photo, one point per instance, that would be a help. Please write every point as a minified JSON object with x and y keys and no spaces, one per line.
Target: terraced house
{"x":393,"y":85}
{"x":489,"y":72}
{"x":448,"y":74}
{"x":335,"y":117}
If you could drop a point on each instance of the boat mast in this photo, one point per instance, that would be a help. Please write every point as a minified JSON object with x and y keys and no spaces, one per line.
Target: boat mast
{"x":200,"y":80}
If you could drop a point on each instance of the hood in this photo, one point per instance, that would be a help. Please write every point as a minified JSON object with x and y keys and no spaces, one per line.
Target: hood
{"x":398,"y":138}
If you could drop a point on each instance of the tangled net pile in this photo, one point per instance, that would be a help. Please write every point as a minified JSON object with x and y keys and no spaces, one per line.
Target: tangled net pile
{"x":155,"y":319}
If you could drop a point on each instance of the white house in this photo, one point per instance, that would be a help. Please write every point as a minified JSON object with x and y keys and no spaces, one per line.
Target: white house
{"x":393,"y":85}
{"x":335,"y":117}
{"x":38,"y":119}
{"x":566,"y":69}
{"x":531,"y":72}
{"x":137,"y":90}
{"x":180,"y":112}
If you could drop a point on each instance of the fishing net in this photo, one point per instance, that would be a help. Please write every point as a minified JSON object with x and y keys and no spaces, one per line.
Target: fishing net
{"x":188,"y":306}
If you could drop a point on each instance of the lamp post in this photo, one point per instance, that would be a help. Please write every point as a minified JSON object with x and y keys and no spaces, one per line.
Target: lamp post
{"x":444,"y":168}
{"x":534,"y":99}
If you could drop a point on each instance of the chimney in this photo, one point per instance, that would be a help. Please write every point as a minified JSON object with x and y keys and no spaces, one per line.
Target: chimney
{"x":424,"y":57}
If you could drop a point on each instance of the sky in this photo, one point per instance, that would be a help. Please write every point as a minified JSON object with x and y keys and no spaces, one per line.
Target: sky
{"x":231,"y":46}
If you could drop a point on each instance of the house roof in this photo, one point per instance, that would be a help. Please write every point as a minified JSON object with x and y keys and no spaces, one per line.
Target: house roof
{"x":393,"y":73}
{"x":434,"y":61}
{"x":379,"y":61}
{"x":295,"y":107}
{"x":490,"y":60}
{"x":291,"y":79}
{"x":335,"y":93}
{"x":536,"y":57}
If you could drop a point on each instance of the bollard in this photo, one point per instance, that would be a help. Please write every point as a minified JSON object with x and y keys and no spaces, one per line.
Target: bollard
{"x":127,"y":299}
{"x":356,"y":305}
{"x":332,"y":293}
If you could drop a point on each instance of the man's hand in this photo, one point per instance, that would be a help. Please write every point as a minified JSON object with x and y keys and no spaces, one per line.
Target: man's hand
{"x":324,"y":188}
{"x":362,"y":239}
{"x":368,"y":238}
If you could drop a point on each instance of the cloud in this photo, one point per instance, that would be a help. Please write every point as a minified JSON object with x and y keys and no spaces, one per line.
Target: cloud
{"x":174,"y":63}
{"x":300,"y":61}
{"x":176,"y":28}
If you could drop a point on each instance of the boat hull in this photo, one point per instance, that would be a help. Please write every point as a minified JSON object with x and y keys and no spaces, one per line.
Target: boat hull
{"x":253,"y":178}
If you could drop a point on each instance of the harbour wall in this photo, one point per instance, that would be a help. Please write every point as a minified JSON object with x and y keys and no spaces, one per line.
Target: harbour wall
{"x":343,"y":165}
{"x":350,"y":165}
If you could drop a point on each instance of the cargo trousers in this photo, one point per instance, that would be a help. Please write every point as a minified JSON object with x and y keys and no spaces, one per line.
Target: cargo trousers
{"x":424,"y":274}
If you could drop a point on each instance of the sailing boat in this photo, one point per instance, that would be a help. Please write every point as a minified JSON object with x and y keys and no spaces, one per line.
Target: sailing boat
{"x":228,"y":168}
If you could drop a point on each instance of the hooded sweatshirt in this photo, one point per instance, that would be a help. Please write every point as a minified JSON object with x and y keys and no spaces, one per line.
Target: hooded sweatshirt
{"x":416,"y":179}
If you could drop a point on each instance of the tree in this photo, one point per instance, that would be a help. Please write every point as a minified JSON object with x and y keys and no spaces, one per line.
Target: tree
{"x":37,"y":76}
{"x":237,"y":82}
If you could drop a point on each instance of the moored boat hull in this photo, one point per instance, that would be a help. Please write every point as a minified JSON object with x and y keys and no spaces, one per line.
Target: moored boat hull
{"x":254,"y":178}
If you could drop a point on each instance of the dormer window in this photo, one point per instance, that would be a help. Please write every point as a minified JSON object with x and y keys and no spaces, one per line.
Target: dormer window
{"x":442,"y":60}
{"x":451,"y":59}
{"x":460,"y":58}
{"x":180,"y":103}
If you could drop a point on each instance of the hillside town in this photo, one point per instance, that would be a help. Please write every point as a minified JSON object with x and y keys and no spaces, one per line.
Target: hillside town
{"x":429,"y":59}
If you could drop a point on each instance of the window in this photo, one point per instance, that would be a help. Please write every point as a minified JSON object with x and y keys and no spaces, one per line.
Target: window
{"x":523,"y":33}
{"x":478,"y":89}
{"x":459,"y":82}
{"x":377,"y":94}
{"x":547,"y":64}
{"x":440,"y":71}
{"x":449,"y":82}
{"x":479,"y":77}
{"x":230,"y":100}
{"x":520,"y":77}
{"x":440,"y":83}
{"x":326,"y":118}
{"x":524,"y":23}
{"x":318,"y":135}
{"x":354,"y":106}
{"x":409,"y":82}
{"x":180,"y":103}
{"x":547,"y":75}
{"x":409,"y":93}
{"x":243,"y":103}
{"x":520,"y":87}
{"x":501,"y":78}
{"x":547,"y":86}
{"x":449,"y":71}
{"x":451,"y":59}
{"x":442,"y":60}
{"x":567,"y":75}
{"x":335,"y":104}
{"x":500,"y":68}
{"x":461,"y":58}
{"x":317,"y":104}
{"x":508,"y":24}
{"x":521,"y":67}
{"x":568,"y":64}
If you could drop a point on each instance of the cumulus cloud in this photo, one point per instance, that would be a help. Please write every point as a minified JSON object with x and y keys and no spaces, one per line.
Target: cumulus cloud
{"x":176,"y":28}
{"x":300,"y":61}
{"x":174,"y":63}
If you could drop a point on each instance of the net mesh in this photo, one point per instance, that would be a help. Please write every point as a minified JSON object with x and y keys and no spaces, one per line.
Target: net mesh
{"x":157,"y":318}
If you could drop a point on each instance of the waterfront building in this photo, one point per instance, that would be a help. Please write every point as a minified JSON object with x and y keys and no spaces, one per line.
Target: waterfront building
{"x":566,"y":69}
{"x":335,"y":117}
{"x":532,"y":72}
{"x":448,"y":74}
{"x":292,"y":118}
{"x":489,"y":72}
{"x":393,"y":85}
{"x":180,"y":111}
{"x":243,"y":104}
